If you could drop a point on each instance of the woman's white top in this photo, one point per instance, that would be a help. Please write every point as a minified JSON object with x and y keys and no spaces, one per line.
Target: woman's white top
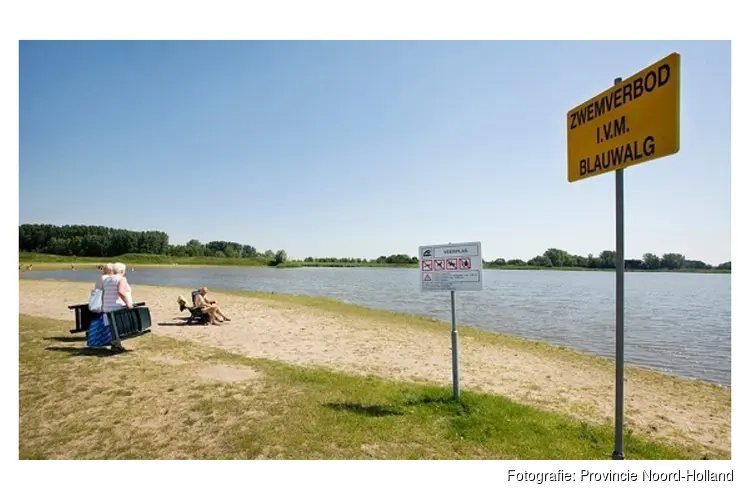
{"x":99,"y":282}
{"x":111,"y":299}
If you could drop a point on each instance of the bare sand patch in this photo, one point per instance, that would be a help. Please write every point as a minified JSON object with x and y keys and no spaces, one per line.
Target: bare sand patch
{"x":228,"y":373}
{"x":167,"y":360}
{"x":672,"y":409}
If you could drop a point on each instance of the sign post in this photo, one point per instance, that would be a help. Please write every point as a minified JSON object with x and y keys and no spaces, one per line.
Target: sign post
{"x":454,"y":347}
{"x":618,"y":453}
{"x":635,"y":121}
{"x":452,"y":267}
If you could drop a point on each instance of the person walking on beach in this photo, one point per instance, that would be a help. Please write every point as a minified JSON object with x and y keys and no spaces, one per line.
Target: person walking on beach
{"x":117,"y":295}
{"x":113,"y":298}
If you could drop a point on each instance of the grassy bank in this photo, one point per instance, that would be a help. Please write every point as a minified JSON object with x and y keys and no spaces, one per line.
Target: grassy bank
{"x":63,"y":262}
{"x":176,"y":399}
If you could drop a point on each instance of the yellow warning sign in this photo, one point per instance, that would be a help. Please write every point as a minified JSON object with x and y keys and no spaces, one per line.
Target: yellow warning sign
{"x":635,"y":121}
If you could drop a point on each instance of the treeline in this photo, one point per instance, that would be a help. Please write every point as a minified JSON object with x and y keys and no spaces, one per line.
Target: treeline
{"x":100,"y":241}
{"x":400,"y":259}
{"x":554,"y":257}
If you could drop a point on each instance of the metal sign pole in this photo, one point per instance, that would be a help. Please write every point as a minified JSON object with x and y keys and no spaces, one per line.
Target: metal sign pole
{"x":454,"y":345}
{"x":653,"y":132}
{"x":618,"y":453}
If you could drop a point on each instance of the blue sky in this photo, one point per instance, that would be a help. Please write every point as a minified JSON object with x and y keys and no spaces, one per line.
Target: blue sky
{"x":364,"y":148}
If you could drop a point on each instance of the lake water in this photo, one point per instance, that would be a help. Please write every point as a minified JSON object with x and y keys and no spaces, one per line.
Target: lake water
{"x":678,"y":323}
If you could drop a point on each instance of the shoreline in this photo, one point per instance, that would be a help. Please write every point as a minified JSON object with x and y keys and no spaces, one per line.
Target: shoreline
{"x":338,"y":306}
{"x":61,"y":266}
{"x":310,"y":331}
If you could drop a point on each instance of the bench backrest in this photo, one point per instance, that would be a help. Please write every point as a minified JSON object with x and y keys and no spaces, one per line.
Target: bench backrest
{"x":128,"y":323}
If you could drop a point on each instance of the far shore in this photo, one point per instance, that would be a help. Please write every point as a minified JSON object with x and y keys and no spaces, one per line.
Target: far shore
{"x":87,"y":265}
{"x":311,"y":331}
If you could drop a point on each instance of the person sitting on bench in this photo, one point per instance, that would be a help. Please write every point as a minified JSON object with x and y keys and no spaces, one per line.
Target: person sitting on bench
{"x":209,"y":307}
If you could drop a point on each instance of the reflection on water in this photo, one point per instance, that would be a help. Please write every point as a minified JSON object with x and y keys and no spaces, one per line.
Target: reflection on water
{"x":676,"y":322}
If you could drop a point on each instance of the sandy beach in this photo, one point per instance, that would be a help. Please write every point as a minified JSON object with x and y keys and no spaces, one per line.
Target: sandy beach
{"x":686,"y":413}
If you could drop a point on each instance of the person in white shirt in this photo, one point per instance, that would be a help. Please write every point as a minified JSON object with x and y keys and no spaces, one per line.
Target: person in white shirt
{"x":107,"y":270}
{"x":116,"y":295}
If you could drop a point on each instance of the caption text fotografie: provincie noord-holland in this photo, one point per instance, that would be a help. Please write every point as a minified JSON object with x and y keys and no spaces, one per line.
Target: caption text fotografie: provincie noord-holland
{"x":628,"y":92}
{"x":686,"y":475}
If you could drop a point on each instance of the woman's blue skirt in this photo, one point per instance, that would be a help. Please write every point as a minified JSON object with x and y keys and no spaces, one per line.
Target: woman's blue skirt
{"x":98,"y":334}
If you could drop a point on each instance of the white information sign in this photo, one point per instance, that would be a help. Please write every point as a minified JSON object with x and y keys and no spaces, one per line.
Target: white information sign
{"x":455,"y":266}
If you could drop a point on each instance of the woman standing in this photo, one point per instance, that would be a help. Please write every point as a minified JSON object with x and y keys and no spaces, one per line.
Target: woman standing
{"x":98,"y":334}
{"x":106,"y":270}
{"x":116,"y":295}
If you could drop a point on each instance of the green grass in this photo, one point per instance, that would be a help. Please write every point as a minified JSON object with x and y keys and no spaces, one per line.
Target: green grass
{"x":289,"y":265}
{"x":153,"y":403}
{"x":63,"y":261}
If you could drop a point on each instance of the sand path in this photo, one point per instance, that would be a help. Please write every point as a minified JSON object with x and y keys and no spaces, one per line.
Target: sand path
{"x":684,"y":412}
